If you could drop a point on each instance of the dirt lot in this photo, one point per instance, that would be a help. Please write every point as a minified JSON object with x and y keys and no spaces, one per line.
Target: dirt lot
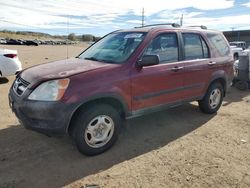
{"x":180,"y":147}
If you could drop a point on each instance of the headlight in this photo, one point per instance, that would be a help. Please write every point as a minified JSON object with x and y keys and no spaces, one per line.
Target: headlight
{"x":50,"y":91}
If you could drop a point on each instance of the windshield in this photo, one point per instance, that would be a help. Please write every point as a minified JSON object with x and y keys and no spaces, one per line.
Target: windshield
{"x":114,"y":48}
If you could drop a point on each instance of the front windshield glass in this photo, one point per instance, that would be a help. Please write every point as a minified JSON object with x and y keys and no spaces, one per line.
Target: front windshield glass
{"x":114,"y":48}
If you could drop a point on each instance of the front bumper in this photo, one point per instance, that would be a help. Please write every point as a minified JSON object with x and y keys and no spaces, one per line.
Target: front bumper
{"x":50,"y":118}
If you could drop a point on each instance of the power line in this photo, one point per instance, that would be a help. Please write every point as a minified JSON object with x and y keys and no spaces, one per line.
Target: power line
{"x":25,"y":8}
{"x":33,"y":27}
{"x":19,"y":24}
{"x":38,"y":9}
{"x":76,"y":7}
{"x":38,"y":27}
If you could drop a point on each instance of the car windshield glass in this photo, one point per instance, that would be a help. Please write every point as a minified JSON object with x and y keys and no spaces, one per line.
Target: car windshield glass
{"x":115,"y":48}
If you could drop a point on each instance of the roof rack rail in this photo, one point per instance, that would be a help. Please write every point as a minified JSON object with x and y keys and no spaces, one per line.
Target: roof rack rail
{"x":200,"y":26}
{"x":171,"y":24}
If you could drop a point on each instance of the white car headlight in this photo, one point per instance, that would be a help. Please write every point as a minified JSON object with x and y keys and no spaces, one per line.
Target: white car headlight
{"x":50,"y":91}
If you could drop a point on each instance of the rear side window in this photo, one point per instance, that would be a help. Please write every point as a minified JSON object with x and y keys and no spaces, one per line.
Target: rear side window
{"x":218,"y":41}
{"x":165,"y":46}
{"x":194,"y":47}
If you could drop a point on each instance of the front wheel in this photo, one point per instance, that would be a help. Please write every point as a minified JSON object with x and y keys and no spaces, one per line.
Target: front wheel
{"x":213,"y":99}
{"x":96,"y":129}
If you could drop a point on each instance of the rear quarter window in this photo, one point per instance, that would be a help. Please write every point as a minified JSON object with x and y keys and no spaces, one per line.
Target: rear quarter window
{"x":219,"y":43}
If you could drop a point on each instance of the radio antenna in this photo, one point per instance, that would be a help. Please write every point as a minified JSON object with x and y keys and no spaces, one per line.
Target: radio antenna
{"x":67,"y":41}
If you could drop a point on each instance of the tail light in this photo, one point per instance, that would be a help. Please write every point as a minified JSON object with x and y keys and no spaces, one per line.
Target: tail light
{"x":10,"y":55}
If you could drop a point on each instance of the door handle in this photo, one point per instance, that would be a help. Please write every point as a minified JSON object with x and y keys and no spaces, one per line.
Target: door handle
{"x":212,"y":63}
{"x":175,"y":69}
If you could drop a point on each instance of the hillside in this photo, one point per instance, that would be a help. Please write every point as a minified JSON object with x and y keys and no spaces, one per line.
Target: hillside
{"x":28,"y":35}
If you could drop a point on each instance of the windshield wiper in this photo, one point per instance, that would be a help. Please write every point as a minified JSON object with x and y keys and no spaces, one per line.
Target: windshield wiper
{"x":91,"y":58}
{"x":100,"y":60}
{"x":108,"y":61}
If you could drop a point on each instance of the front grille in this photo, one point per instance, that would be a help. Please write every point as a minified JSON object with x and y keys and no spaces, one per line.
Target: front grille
{"x":20,"y":85}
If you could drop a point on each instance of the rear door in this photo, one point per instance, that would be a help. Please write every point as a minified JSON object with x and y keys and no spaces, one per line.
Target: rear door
{"x":196,"y":62}
{"x":161,"y":84}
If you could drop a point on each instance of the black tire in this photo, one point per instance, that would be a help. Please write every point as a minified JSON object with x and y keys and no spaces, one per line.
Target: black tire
{"x":241,"y":85}
{"x":205,"y":103}
{"x":236,"y":56}
{"x":83,"y":120}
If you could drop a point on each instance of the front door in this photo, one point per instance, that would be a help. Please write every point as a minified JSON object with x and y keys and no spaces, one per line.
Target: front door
{"x":159,"y":85}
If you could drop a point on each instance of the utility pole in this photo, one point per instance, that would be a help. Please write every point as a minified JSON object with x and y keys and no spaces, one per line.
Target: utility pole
{"x":233,"y":33}
{"x":142,"y":18}
{"x":181,"y":20}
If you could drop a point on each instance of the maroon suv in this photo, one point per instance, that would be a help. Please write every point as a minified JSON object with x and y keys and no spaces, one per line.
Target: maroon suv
{"x":127,"y":73}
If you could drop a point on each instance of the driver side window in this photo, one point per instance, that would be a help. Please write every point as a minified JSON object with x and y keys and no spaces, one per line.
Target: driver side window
{"x":165,"y":46}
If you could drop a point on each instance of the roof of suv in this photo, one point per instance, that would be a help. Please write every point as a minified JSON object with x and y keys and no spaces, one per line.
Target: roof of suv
{"x":158,"y":27}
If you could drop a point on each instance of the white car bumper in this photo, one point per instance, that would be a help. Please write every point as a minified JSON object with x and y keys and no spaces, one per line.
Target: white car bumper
{"x":11,"y":66}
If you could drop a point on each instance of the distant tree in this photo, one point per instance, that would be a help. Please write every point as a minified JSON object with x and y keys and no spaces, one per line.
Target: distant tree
{"x":87,"y":37}
{"x":97,"y":38}
{"x":72,"y":36}
{"x":8,"y":31}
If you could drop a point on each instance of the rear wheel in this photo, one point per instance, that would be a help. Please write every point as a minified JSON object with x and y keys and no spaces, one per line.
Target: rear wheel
{"x":96,"y":129}
{"x":213,"y":99}
{"x":236,"y":56}
{"x":241,"y":85}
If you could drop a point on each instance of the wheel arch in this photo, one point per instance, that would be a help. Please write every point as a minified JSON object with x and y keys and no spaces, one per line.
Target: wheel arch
{"x":220,"y":80}
{"x":236,"y":55}
{"x":114,"y":100}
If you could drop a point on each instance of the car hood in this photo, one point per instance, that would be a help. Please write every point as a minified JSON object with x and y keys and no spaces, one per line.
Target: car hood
{"x":60,"y":69}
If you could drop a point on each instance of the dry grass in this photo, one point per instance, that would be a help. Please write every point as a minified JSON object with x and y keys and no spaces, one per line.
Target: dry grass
{"x":24,"y":37}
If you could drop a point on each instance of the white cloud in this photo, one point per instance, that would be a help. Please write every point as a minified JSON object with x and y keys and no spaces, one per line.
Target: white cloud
{"x":134,"y":21}
{"x":247,"y":4}
{"x":174,"y":16}
{"x":225,"y":22}
{"x":93,"y":7}
{"x":53,"y":13}
{"x":220,"y":23}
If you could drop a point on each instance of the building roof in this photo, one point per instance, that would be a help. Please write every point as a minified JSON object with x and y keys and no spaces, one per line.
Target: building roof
{"x":242,"y":32}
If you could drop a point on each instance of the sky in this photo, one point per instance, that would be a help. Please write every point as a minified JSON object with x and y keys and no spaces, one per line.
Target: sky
{"x":99,"y":17}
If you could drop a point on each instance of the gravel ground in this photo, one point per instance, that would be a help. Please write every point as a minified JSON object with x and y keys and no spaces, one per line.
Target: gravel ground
{"x":180,"y":147}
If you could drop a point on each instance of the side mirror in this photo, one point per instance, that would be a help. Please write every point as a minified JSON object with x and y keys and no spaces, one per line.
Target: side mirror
{"x":148,"y":60}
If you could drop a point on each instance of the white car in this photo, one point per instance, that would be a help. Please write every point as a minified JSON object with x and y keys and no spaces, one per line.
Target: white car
{"x":9,"y":63}
{"x":247,"y":51}
{"x":239,"y":44}
{"x":237,"y":51}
